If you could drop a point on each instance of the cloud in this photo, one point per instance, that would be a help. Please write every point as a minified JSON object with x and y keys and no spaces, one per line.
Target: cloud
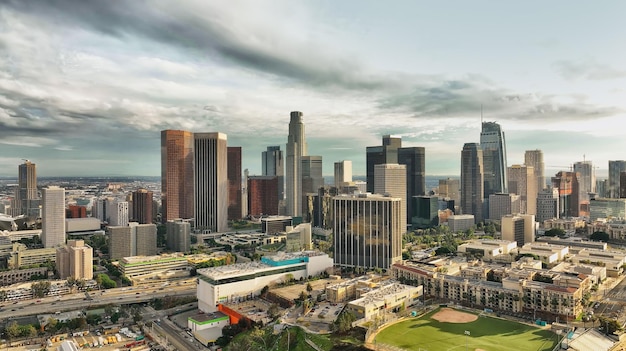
{"x":589,"y":70}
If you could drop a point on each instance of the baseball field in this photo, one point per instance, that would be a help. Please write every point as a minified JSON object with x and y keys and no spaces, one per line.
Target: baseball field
{"x":447,"y":329}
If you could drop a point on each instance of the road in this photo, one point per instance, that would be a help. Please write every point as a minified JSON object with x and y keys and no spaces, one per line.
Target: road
{"x":79,"y":301}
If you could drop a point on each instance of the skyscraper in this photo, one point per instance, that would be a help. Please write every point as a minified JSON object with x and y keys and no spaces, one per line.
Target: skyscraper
{"x":27,"y":199}
{"x":177,"y":192}
{"x":493,"y":144}
{"x":390,"y":179}
{"x":414,"y":158}
{"x":522,"y":182}
{"x":53,"y":217}
{"x":567,"y":183}
{"x":132,"y":240}
{"x":472,"y":194}
{"x":296,"y":148}
{"x":178,"y":235}
{"x":520,"y":228}
{"x":235,"y":199}
{"x":367,"y":231}
{"x":262,"y":195}
{"x":343,"y":173}
{"x":548,"y":204}
{"x":312,"y":175}
{"x":211,"y":181}
{"x":142,"y":206}
{"x":273,"y":166}
{"x":377,"y":155}
{"x":586,"y":183}
{"x":117,"y":212}
{"x":615,"y":168}
{"x":449,"y":189}
{"x":534,"y":158}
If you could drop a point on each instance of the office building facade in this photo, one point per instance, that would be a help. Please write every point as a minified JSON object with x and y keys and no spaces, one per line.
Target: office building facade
{"x":567,"y":183}
{"x":414,"y":158}
{"x":390,"y":179}
{"x":177,"y":185}
{"x":178,"y":234}
{"x":296,"y":148}
{"x":53,"y":217}
{"x":210,"y":181}
{"x":503,"y":204}
{"x":132,"y":240}
{"x":493,"y":145}
{"x":518,"y":228}
{"x":548,"y":204}
{"x":534,"y":159}
{"x":472,"y":193}
{"x":273,"y":165}
{"x":343,"y":173}
{"x":523,"y":183}
{"x":376,"y":155}
{"x":367,"y":231}
{"x":235,"y":208}
{"x":27,"y":198}
{"x":262,"y":195}
{"x":615,"y":168}
{"x":75,"y":260}
{"x":312,"y":175}
{"x":142,"y":206}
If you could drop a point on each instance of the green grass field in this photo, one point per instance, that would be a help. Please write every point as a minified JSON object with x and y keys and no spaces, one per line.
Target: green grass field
{"x":486,"y":333}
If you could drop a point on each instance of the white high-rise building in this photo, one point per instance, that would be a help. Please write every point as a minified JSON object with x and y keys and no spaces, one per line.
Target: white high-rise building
{"x":390,"y":179}
{"x":53,"y":217}
{"x":343,"y":173}
{"x":586,"y":180}
{"x":534,"y":158}
{"x":117,"y":212}
{"x":519,"y":228}
{"x":296,"y":148}
{"x":522,"y":182}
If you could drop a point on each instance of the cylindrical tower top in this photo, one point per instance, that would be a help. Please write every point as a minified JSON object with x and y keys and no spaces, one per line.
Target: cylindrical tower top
{"x":296,"y":117}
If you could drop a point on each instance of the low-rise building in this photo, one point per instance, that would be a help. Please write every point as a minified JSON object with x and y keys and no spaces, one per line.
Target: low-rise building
{"x":385,"y":298}
{"x":550,"y":255}
{"x":140,"y":268}
{"x":460,"y":223}
{"x":239,"y":281}
{"x":488,"y":250}
{"x":612,"y":260}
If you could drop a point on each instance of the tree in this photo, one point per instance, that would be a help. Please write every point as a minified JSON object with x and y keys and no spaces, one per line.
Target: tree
{"x":259,"y":334}
{"x":555,"y":232}
{"x":12,"y":330}
{"x":3,"y":295}
{"x":273,"y":311}
{"x":309,"y":287}
{"x":599,"y":236}
{"x":344,"y":322}
{"x":40,"y":289}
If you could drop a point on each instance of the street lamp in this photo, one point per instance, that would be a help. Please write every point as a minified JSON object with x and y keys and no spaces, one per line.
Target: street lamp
{"x":467,"y":333}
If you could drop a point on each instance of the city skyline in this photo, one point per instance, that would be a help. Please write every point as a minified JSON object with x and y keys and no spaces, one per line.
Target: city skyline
{"x":86,"y":88}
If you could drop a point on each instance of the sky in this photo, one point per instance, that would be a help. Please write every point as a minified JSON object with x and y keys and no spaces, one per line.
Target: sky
{"x":87,"y":86}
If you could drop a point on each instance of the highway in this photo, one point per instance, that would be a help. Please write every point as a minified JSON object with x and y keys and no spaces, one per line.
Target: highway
{"x":78,"y":301}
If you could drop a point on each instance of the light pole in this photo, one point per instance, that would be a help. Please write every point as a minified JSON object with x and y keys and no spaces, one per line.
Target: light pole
{"x":467,"y":333}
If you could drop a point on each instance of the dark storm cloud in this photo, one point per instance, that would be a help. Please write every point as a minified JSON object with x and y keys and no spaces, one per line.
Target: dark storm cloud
{"x":201,"y":33}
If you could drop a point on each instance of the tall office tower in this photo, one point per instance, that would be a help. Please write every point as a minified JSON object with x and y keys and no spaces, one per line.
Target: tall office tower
{"x":178,"y":233}
{"x":262,"y":195}
{"x":211,"y":181}
{"x":615,"y":168}
{"x":142,"y":206}
{"x":312,"y":178}
{"x":319,"y":207}
{"x":74,"y":211}
{"x":367,"y":231}
{"x":296,"y":148}
{"x":53,"y":216}
{"x":27,"y":199}
{"x":244,"y":193}
{"x":534,"y":158}
{"x":235,"y":208}
{"x":343,"y":173}
{"x":520,"y":228}
{"x":426,"y":213}
{"x":177,"y":192}
{"x":602,"y":186}
{"x":607,"y":208}
{"x":523,"y":183}
{"x":273,"y":166}
{"x":378,"y":155}
{"x":567,"y":183}
{"x":494,"y":159}
{"x":501,"y":205}
{"x":117,"y":212}
{"x":547,"y":204}
{"x":472,"y":181}
{"x":414,"y":158}
{"x":622,"y":185}
{"x":99,"y":209}
{"x":587,"y":179}
{"x":449,"y":189}
{"x":75,"y":260}
{"x":132,"y":240}
{"x":390,"y":179}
